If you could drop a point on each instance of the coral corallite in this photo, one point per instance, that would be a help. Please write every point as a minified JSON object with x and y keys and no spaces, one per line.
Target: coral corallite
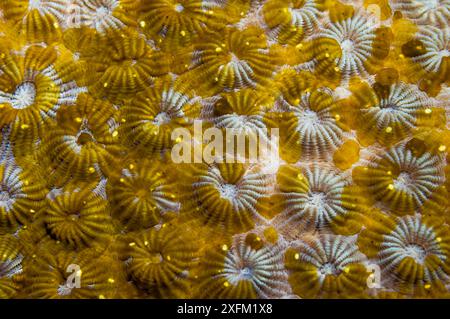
{"x":225,"y":149}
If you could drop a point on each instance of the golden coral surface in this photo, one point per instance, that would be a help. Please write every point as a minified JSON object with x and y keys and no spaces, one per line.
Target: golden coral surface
{"x":356,"y":204}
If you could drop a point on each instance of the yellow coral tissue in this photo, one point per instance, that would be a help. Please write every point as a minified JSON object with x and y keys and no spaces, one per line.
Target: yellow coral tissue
{"x":191,"y":149}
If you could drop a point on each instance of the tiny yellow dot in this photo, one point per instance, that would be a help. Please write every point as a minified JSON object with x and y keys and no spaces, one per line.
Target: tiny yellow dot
{"x":327,"y":55}
{"x":300,"y":176}
{"x":218,"y":49}
{"x":442,"y":148}
{"x":91,"y":170}
{"x":337,"y":117}
{"x":142,"y":24}
{"x":336,"y":69}
{"x":388,"y":129}
{"x":146,"y":243}
{"x":131,"y":166}
{"x":299,"y":46}
{"x":224,"y":247}
{"x":183,"y":33}
{"x":226,"y":284}
{"x":390,"y":187}
{"x":32,"y":211}
{"x":105,"y":84}
{"x":132,"y":244}
{"x":439,"y":239}
{"x":101,"y":297}
{"x":428,"y":111}
{"x":346,"y":270}
{"x":427,"y":286}
{"x":111,"y":280}
{"x":24,"y":126}
{"x":168,"y":257}
{"x":401,"y":56}
{"x":297,"y":256}
{"x":78,"y":119}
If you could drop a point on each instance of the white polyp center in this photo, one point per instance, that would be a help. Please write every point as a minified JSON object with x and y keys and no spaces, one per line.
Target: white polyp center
{"x":24,"y":96}
{"x":64,"y":290}
{"x":4,"y":197}
{"x":179,"y":7}
{"x":240,"y":121}
{"x":403,"y":181}
{"x":102,"y":12}
{"x":328,"y":269}
{"x":246,"y":273}
{"x":347,"y":45}
{"x":317,"y":199}
{"x":34,"y":4}
{"x":431,"y":4}
{"x":310,"y":117}
{"x":444,"y":53}
{"x":416,"y":252}
{"x":228,"y":191}
{"x":161,"y":118}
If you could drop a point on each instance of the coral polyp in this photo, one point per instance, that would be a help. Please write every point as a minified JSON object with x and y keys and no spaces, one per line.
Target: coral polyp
{"x":142,"y":194}
{"x":233,"y":58}
{"x":355,"y":36}
{"x":150,"y":118}
{"x":32,"y":89}
{"x":436,"y":12}
{"x":21,"y":194}
{"x":328,"y":267}
{"x":77,"y":216}
{"x":10,"y":266}
{"x":224,"y":149}
{"x":318,"y":197}
{"x":226,"y":195}
{"x":412,"y":251}
{"x":84,"y":143}
{"x":242,"y":271}
{"x":402,"y":180}
{"x":160,"y":260}
{"x":390,"y":114}
{"x":315,"y":125}
{"x":103,"y":15}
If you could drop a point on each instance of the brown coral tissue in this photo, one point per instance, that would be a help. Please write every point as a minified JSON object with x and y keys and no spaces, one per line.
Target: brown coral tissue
{"x":224,"y":149}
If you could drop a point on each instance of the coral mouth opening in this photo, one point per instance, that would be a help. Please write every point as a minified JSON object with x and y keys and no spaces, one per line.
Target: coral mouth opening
{"x":347,"y":45}
{"x":328,"y":269}
{"x":416,"y":252}
{"x":84,"y":138}
{"x":155,"y":258}
{"x":228,"y":191}
{"x":4,"y":197}
{"x":24,"y":96}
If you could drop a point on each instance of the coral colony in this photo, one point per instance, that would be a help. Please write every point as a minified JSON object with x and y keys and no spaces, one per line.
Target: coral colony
{"x":224,"y":149}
